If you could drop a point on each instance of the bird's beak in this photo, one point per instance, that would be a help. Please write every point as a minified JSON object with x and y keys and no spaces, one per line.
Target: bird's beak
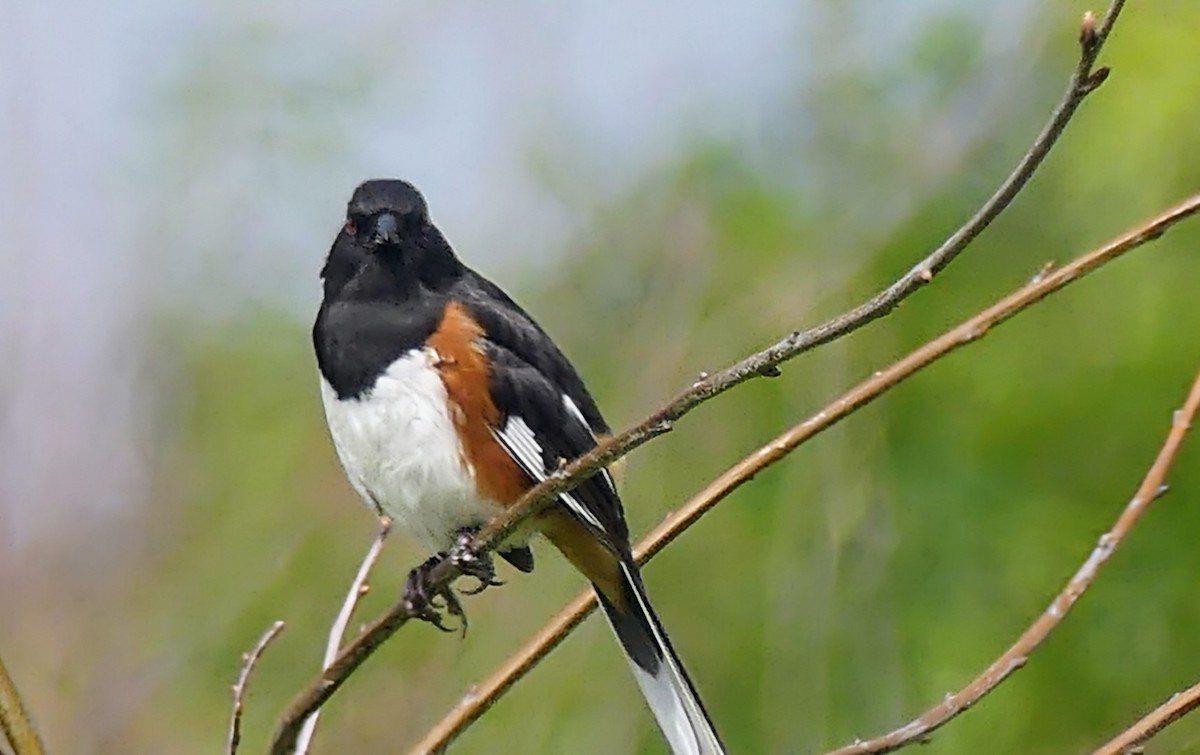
{"x":387,"y":229}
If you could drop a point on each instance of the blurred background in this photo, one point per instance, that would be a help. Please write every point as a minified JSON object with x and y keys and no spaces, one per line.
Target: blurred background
{"x":667,"y":187}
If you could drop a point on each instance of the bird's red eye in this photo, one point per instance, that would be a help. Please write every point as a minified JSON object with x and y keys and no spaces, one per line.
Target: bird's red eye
{"x":350,"y":228}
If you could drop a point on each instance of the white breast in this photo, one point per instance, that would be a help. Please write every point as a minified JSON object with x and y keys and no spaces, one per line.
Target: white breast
{"x":402,"y":454}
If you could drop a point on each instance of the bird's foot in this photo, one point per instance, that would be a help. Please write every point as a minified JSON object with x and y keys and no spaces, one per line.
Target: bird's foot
{"x":472,"y":564}
{"x":422,"y":599}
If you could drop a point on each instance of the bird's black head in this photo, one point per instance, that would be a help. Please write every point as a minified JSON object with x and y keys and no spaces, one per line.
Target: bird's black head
{"x":389,"y":242}
{"x":384,"y":212}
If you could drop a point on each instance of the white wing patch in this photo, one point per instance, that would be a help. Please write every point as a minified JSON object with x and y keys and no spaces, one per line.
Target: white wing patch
{"x":518,"y":439}
{"x":573,"y":410}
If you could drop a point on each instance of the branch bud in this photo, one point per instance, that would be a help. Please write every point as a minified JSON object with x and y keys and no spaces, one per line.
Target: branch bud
{"x":1098,"y":77}
{"x":1087,"y":30}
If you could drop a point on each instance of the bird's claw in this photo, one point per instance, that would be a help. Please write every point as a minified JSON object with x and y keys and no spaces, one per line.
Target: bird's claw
{"x":427,"y":604}
{"x":471,"y":564}
{"x":421,"y":600}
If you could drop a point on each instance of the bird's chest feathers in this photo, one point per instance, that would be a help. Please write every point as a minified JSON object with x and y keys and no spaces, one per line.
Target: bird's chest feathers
{"x":401,"y":447}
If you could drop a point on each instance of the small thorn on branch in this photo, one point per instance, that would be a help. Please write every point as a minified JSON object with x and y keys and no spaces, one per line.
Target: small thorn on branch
{"x":662,"y":426}
{"x":925,"y":275}
{"x":1040,"y":275}
{"x":1155,"y":234}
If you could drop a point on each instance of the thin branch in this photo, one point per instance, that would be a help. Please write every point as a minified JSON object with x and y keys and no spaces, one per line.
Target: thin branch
{"x":333,"y":643}
{"x":485,"y":695}
{"x":1084,"y":80}
{"x":480,"y":698}
{"x":1153,"y":486}
{"x":1131,"y":740}
{"x":249,"y":661}
{"x":15,"y":721}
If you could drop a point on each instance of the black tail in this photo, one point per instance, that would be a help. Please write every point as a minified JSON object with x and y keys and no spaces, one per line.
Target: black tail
{"x":660,"y":674}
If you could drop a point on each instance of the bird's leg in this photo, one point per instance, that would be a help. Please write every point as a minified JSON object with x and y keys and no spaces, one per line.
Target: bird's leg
{"x":477,"y":565}
{"x":421,"y":599}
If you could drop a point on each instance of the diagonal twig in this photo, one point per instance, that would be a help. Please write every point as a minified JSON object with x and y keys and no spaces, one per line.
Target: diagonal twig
{"x":15,"y":721}
{"x":1131,"y":740}
{"x":485,"y":695}
{"x":1084,"y":80}
{"x":249,"y":661}
{"x":333,"y":643}
{"x":1153,"y":486}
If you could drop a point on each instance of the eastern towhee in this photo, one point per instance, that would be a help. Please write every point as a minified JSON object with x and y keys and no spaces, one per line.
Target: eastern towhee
{"x":446,"y":402}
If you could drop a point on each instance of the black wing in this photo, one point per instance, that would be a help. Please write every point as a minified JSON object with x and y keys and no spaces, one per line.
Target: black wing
{"x":541,"y":428}
{"x":547,"y":415}
{"x":511,"y":327}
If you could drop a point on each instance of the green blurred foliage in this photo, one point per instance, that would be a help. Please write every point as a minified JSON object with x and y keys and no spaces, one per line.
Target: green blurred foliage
{"x":853,"y":585}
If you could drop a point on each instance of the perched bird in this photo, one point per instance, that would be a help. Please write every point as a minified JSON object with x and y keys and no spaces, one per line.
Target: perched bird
{"x":446,"y":402}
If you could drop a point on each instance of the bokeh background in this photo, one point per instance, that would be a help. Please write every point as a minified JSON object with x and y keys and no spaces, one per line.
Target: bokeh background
{"x":667,"y":186}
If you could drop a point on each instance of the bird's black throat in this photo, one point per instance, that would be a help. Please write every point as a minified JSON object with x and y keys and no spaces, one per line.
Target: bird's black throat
{"x":380,"y":302}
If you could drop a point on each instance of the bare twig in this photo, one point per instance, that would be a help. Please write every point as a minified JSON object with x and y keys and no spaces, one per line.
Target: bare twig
{"x":483,"y":696}
{"x":14,"y":719}
{"x":333,"y":644}
{"x":1015,"y":657}
{"x":249,"y":661}
{"x":1131,"y":740}
{"x":1084,"y":80}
